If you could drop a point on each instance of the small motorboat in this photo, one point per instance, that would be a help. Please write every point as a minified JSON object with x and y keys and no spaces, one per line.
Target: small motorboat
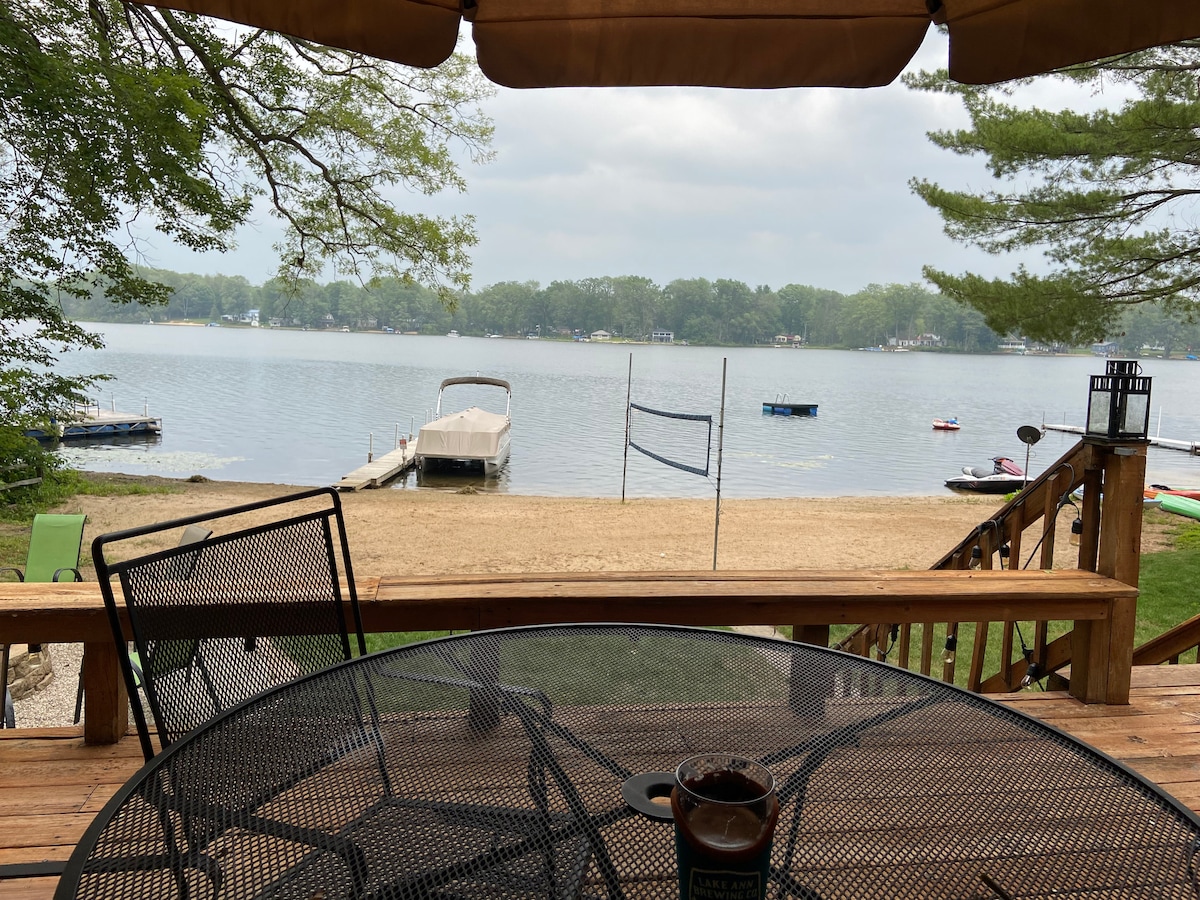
{"x":950,"y":424}
{"x":1002,"y":477}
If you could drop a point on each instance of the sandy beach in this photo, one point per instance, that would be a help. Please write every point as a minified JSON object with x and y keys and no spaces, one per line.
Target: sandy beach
{"x":428,"y":532}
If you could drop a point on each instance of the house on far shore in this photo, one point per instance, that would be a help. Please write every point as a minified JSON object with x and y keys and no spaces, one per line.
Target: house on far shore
{"x":600,"y":335}
{"x":1012,"y":345}
{"x":921,"y":340}
{"x":662,"y":337}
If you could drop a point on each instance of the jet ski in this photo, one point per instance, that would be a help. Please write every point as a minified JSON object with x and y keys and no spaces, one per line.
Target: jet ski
{"x":1003,"y":476}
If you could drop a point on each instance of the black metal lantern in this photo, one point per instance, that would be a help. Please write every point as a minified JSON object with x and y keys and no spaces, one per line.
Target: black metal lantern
{"x":1119,"y":403}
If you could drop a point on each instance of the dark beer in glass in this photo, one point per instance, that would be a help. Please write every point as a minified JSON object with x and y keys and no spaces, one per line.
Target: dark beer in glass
{"x":725,"y":811}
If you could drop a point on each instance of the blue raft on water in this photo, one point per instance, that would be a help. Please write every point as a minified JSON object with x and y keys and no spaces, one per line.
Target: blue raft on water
{"x":789,"y":409}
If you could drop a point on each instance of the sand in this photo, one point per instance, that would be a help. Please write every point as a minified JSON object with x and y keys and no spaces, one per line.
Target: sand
{"x":433,"y":532}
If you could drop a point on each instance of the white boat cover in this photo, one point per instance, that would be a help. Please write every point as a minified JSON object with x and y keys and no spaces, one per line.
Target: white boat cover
{"x":473,"y":433}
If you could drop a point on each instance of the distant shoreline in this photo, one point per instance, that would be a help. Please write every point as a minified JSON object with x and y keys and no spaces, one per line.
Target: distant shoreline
{"x":565,"y":339}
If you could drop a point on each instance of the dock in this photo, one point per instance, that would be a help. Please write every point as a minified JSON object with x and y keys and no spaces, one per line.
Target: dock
{"x":381,"y":470}
{"x":1192,"y":447}
{"x":789,"y":409}
{"x":96,"y":422}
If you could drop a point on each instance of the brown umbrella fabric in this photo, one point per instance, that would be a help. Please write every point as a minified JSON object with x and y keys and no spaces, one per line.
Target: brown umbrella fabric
{"x":724,"y":43}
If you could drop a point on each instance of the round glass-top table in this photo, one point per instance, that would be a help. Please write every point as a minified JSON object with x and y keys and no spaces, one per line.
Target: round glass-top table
{"x":521,"y":763}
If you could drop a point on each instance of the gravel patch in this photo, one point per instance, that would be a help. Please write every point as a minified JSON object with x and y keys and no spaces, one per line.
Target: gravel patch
{"x":54,"y":704}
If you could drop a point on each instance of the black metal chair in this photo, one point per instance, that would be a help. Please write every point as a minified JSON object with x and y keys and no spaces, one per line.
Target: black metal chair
{"x":216,"y":621}
{"x":249,"y":609}
{"x":191,"y":534}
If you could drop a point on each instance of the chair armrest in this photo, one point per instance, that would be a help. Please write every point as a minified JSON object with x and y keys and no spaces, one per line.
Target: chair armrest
{"x":20,"y":574}
{"x":74,"y":571}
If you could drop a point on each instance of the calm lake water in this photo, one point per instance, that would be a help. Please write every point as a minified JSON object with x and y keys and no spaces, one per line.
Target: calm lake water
{"x":298,"y":408}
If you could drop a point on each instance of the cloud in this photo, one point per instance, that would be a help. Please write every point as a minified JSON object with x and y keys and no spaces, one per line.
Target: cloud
{"x":768,"y":187}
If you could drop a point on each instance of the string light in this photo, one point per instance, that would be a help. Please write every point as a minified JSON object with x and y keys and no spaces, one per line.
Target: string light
{"x":951,"y":647}
{"x":1032,"y":673}
{"x":1076,"y":531}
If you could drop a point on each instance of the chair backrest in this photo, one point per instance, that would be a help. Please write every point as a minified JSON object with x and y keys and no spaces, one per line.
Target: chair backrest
{"x":219,"y":620}
{"x":54,"y":543}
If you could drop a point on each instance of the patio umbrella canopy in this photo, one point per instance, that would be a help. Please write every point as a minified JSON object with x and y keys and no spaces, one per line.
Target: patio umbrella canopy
{"x":723,"y":43}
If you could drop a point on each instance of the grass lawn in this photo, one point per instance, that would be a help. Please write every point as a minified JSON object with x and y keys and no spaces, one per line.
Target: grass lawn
{"x":1170,"y":594}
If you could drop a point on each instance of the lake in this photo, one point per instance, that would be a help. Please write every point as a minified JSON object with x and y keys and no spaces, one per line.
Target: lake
{"x":293,"y":407}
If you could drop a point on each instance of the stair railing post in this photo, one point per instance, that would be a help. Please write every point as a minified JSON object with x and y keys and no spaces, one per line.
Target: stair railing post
{"x":1102,"y":651}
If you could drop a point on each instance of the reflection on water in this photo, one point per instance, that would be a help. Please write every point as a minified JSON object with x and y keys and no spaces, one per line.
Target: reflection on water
{"x":106,"y":441}
{"x":307,"y":407}
{"x":455,"y":477}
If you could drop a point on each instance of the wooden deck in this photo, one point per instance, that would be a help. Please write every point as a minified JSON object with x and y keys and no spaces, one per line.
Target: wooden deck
{"x":52,"y":784}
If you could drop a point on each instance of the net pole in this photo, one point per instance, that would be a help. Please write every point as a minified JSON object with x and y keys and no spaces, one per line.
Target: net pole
{"x":628,"y":397}
{"x":720,"y":445}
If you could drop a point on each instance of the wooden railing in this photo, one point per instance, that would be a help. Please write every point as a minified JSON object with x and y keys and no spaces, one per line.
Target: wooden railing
{"x":1171,"y":646}
{"x":1023,"y":534}
{"x":74,"y":612}
{"x":981,"y":582}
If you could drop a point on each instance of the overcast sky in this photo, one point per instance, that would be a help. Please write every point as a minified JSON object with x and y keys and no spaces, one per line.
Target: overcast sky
{"x":804,"y":186}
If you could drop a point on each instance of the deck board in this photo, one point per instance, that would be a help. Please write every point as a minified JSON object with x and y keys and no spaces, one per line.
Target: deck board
{"x":52,"y":784}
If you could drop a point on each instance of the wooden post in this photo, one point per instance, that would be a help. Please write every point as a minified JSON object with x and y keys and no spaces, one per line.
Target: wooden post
{"x":1102,"y":651}
{"x":1093,"y":480}
{"x":807,"y":695}
{"x":811,"y":634}
{"x":105,"y":700}
{"x":485,"y":701}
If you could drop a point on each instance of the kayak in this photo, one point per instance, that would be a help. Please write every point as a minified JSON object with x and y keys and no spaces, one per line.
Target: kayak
{"x":1184,"y":506}
{"x":1155,"y":490}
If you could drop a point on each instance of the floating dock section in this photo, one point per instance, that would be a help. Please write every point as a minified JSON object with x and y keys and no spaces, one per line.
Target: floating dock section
{"x":98,"y":423}
{"x":1192,"y":447}
{"x":789,"y":409}
{"x":381,"y":470}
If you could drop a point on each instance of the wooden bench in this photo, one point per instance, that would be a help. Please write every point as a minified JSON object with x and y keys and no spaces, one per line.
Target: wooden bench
{"x":810,"y":600}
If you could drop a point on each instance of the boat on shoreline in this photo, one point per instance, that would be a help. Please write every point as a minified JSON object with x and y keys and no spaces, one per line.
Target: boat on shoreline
{"x":472,"y":437}
{"x":1003,"y":477}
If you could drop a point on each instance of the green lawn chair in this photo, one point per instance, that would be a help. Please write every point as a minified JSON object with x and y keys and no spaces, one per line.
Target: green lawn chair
{"x":54,"y":545}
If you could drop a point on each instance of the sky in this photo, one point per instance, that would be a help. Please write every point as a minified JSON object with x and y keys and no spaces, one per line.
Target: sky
{"x":795,"y":186}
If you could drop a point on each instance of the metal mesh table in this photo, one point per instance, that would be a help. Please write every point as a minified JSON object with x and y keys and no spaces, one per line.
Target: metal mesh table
{"x":497,"y":764}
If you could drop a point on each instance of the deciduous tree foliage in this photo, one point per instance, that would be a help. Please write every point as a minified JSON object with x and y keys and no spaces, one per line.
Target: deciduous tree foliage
{"x":1110,"y":196}
{"x":113,"y":114}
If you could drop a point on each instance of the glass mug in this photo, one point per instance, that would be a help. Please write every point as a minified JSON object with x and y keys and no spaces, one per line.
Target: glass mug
{"x":725,"y":811}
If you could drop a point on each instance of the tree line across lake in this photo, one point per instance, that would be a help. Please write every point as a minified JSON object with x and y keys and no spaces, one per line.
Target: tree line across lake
{"x":696,"y":310}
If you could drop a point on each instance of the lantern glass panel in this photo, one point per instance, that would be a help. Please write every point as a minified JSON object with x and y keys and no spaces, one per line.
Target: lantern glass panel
{"x":1098,"y":408}
{"x":1137,"y":413}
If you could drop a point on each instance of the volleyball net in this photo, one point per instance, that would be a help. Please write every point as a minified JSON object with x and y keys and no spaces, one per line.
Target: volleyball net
{"x":680,"y":440}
